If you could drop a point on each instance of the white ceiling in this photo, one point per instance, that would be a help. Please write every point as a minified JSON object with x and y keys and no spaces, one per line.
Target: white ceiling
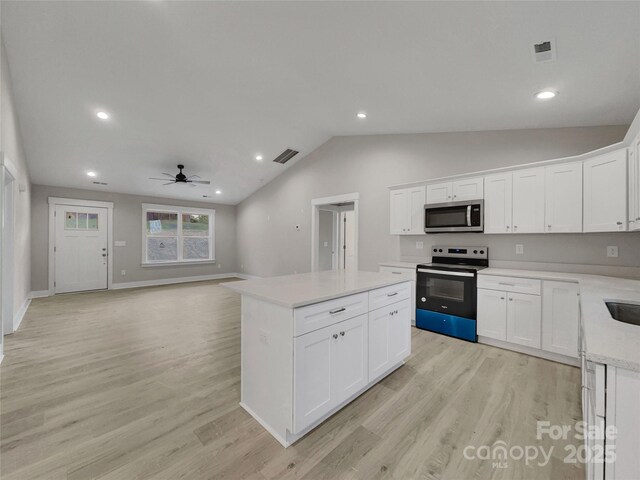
{"x":211,"y":84}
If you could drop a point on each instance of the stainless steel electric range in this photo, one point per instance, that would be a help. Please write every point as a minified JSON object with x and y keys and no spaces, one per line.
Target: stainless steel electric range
{"x":446,"y":292}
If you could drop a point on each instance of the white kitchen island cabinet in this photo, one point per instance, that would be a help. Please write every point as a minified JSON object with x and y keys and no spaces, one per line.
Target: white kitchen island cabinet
{"x":313,"y":342}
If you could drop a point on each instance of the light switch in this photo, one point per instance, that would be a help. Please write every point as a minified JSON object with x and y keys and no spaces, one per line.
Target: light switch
{"x":519,"y":249}
{"x":419,"y":245}
{"x":612,"y":251}
{"x":326,"y":244}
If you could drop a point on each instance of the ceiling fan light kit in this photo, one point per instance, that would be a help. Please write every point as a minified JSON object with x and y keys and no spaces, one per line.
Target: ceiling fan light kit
{"x":181,"y":178}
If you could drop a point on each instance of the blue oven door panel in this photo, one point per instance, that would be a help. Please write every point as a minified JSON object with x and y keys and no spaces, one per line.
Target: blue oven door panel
{"x":451,"y":325}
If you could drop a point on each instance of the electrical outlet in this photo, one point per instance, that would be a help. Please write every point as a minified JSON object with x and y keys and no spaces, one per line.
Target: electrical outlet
{"x":419,"y":245}
{"x":298,"y":228}
{"x":123,"y":272}
{"x":519,"y":249}
{"x":612,"y":251}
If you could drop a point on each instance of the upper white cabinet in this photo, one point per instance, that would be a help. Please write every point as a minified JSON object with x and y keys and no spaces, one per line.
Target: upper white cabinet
{"x":407,"y":211}
{"x":498,"y":203}
{"x":605,"y":192}
{"x":528,"y":201}
{"x":440,"y":192}
{"x":560,"y":318}
{"x":458,"y":191}
{"x":634,"y":185}
{"x":563,"y":198}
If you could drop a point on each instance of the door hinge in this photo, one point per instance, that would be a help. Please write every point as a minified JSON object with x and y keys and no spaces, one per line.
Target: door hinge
{"x":55,"y":249}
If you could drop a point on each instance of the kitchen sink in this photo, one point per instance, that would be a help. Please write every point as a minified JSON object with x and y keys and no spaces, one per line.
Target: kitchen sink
{"x":625,"y":312}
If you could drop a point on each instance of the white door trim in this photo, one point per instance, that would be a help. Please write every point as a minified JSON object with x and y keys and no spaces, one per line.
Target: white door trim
{"x":55,"y":201}
{"x":8,"y":249}
{"x":316,"y":203}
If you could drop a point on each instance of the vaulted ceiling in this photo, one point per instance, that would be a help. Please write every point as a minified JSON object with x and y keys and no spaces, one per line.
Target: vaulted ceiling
{"x":213,"y":84}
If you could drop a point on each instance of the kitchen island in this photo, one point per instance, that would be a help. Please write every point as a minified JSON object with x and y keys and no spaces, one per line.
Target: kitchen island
{"x":313,"y":342}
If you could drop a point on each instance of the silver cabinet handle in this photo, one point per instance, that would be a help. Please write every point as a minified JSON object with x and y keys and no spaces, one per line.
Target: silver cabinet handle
{"x":507,"y":284}
{"x":618,"y":223}
{"x":515,"y":227}
{"x":507,"y":227}
{"x":333,"y":312}
{"x":342,"y":334}
{"x":549,"y":227}
{"x":501,"y":298}
{"x":510,"y":299}
{"x":397,"y":273}
{"x":638,"y":218}
{"x":392,"y":294}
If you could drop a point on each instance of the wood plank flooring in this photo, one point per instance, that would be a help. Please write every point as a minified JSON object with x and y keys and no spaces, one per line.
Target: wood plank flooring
{"x":145,"y":384}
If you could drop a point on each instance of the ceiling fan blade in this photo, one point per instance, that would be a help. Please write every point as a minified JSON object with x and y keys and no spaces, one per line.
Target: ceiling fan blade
{"x":169,"y":183}
{"x":193,"y":176}
{"x":201,"y":182}
{"x":161,"y":179}
{"x":168,"y":175}
{"x":192,"y":185}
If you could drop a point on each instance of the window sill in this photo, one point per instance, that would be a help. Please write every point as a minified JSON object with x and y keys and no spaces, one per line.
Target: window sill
{"x":178,"y":264}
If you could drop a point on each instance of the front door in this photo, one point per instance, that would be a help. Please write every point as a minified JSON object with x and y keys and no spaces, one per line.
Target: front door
{"x":80,"y":248}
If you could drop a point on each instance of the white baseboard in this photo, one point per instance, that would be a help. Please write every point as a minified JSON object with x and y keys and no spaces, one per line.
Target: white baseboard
{"x":157,"y":282}
{"x":39,"y":294}
{"x":17,"y":318}
{"x":170,"y":281}
{"x":534,"y":352}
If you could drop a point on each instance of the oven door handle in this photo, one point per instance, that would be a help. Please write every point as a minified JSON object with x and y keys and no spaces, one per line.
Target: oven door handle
{"x":468,"y":215}
{"x":446,"y":272}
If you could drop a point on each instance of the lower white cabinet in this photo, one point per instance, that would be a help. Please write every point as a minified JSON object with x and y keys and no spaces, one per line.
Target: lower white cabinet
{"x":544,"y":319}
{"x":389,"y":337}
{"x":492,"y":314}
{"x":523,"y":319}
{"x":511,"y":317}
{"x":560,"y":318}
{"x":330,"y":366}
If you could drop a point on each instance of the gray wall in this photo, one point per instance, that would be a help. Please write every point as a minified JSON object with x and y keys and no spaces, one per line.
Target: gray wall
{"x":12,"y":148}
{"x":268,"y":243}
{"x":127,"y":225}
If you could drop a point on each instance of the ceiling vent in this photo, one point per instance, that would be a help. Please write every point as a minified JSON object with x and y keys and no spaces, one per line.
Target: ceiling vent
{"x":285,"y":156}
{"x":544,"y":51}
{"x":100,"y":183}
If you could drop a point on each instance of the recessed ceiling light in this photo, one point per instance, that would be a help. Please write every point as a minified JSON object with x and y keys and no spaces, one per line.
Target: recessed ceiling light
{"x":91,"y":174}
{"x":546,"y":94}
{"x":218,"y":192}
{"x":362,"y":115}
{"x":102,"y":115}
{"x":258,"y":157}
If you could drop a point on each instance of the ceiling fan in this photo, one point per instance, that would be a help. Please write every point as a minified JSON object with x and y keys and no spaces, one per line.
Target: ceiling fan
{"x":181,"y":178}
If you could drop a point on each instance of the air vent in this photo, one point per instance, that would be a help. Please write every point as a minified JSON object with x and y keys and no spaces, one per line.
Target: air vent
{"x":285,"y":156}
{"x":544,"y":51}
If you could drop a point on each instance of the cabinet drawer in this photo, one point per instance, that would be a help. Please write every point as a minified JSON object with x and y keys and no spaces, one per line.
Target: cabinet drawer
{"x":408,"y":273}
{"x":319,"y":315}
{"x":387,"y":295}
{"x":510,"y":284}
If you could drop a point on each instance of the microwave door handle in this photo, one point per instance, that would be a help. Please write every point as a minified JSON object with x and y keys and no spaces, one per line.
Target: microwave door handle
{"x":468,"y":215}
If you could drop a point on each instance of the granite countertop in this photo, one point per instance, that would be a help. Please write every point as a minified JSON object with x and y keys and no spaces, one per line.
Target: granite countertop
{"x":606,"y":340}
{"x":302,"y":289}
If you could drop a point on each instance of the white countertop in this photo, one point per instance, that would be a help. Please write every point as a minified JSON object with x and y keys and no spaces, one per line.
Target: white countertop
{"x":606,"y":340}
{"x":411,"y":265}
{"x":302,"y":289}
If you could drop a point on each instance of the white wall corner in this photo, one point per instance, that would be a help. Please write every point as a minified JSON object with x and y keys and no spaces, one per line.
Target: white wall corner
{"x":19,"y":316}
{"x":39,"y":294}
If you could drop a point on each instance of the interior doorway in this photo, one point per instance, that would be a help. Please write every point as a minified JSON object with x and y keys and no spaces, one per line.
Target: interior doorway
{"x":335,"y":233}
{"x":8,"y":208}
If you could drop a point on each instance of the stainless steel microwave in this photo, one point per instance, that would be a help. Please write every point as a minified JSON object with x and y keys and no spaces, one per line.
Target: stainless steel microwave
{"x":467,"y":216}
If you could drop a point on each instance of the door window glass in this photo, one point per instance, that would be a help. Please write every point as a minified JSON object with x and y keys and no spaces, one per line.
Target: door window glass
{"x":70,"y":221}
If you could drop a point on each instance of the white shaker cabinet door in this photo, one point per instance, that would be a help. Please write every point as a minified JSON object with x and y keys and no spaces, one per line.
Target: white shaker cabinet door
{"x":524,"y":319}
{"x":560,"y":318}
{"x":468,"y":189}
{"x":563,"y":198}
{"x":416,"y":203}
{"x":439,"y":193}
{"x":313,"y":369}
{"x":605,"y":192}
{"x":349,"y":362}
{"x":492,"y":314}
{"x":398,"y":211}
{"x":389,"y":337}
{"x":528,"y":201}
{"x":498,"y":203}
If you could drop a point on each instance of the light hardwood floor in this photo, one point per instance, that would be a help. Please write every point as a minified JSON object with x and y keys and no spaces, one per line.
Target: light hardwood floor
{"x":145,"y":383}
